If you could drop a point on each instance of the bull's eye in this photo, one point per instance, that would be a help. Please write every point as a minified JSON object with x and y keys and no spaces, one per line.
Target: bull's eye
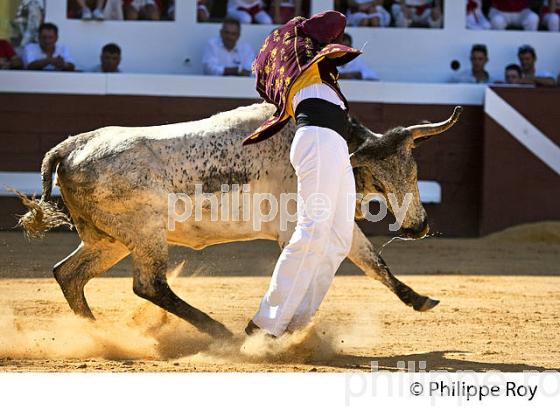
{"x":378,"y":188}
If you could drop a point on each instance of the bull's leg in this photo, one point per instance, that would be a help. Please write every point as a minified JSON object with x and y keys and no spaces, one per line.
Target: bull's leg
{"x":363,"y":255}
{"x":87,"y":261}
{"x":150,"y":282}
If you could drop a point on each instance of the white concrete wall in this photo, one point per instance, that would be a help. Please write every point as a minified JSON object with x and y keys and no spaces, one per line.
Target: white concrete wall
{"x":226,"y":87}
{"x":402,"y":55}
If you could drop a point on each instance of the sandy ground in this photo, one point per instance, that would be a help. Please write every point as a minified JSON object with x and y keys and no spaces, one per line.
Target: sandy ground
{"x":500,"y":310}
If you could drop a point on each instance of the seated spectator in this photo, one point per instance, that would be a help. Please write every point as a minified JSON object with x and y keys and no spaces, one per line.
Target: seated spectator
{"x":113,"y":10}
{"x":202,"y":12}
{"x":357,"y":68}
{"x":512,"y":74}
{"x":29,"y":16}
{"x":87,"y":14}
{"x":225,"y":55}
{"x":283,"y":11}
{"x":248,"y":11}
{"x":476,"y":20}
{"x":476,"y":74}
{"x":550,"y":15}
{"x":95,"y":9}
{"x":9,"y":60}
{"x":110,"y":59}
{"x":366,"y":13}
{"x":529,"y":74}
{"x":512,"y":13}
{"x":417,"y":12}
{"x":141,"y":10}
{"x":48,"y":54}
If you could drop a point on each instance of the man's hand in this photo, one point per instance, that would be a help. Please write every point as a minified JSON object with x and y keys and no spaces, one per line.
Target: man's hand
{"x":58,"y":62}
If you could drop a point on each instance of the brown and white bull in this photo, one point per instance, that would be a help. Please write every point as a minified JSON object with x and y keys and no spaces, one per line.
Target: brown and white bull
{"x":115,"y":183}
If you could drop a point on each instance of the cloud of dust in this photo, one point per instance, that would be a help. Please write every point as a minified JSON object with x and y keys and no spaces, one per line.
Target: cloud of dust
{"x":150,"y":333}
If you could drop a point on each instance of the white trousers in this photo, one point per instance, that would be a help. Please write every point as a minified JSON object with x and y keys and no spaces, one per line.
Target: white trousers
{"x":424,"y":18}
{"x":323,"y":234}
{"x":551,"y":21}
{"x":526,"y":18}
{"x":262,"y":17}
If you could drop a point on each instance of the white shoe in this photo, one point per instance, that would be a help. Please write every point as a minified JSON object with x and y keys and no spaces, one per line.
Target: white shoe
{"x":86,"y":14}
{"x":98,"y":15}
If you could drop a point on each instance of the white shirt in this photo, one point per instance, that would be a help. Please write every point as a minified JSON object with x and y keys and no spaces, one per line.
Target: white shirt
{"x":321,"y":91}
{"x":216,"y":57}
{"x":466,"y":76}
{"x":33,"y":52}
{"x":359,"y":65}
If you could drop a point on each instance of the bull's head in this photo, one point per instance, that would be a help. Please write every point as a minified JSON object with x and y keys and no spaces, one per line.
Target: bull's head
{"x":383,"y":164}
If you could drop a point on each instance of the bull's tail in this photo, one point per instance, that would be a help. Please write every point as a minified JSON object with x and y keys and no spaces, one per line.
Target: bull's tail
{"x":43,"y":214}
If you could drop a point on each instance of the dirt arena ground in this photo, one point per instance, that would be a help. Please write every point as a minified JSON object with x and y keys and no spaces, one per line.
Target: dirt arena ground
{"x":500,"y":310}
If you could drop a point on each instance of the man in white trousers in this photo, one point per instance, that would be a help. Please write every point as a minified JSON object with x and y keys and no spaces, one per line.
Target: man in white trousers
{"x":296,"y":71}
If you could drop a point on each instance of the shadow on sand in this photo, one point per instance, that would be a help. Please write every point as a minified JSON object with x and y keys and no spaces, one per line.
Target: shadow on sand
{"x":434,"y":361}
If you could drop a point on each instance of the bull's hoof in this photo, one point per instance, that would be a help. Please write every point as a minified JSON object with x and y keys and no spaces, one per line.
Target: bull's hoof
{"x":424,"y":304}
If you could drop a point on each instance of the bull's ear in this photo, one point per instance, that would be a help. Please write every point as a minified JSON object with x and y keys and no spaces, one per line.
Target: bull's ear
{"x":423,"y":132}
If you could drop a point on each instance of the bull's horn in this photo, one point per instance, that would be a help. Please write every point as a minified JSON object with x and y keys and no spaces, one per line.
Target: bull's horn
{"x":425,"y":130}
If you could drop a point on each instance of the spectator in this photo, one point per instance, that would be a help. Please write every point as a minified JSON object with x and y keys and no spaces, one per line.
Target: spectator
{"x":248,"y":11}
{"x":529,"y":74}
{"x":476,"y":20}
{"x":48,"y":54}
{"x":87,"y":14}
{"x":226,"y":55}
{"x":29,"y":16}
{"x":365,"y":13}
{"x":202,"y":12}
{"x":550,"y":15}
{"x":513,"y":13}
{"x":9,"y":60}
{"x":113,"y":10}
{"x":285,"y":10}
{"x":355,"y":69}
{"x":141,"y":10}
{"x":417,"y":12}
{"x":512,"y":74}
{"x":476,"y":74}
{"x":110,"y":59}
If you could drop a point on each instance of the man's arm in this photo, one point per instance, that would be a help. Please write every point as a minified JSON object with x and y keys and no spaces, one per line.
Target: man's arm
{"x":210,"y":62}
{"x":67,"y":59}
{"x":31,"y":61}
{"x":16,"y":63}
{"x":543,"y":81}
{"x":40,"y":64}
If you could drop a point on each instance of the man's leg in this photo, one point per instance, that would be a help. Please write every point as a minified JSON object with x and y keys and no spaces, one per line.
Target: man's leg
{"x":318,"y":157}
{"x":497,"y":19}
{"x":552,"y":21}
{"x":528,"y":19}
{"x":262,"y":17}
{"x":340,"y":242}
